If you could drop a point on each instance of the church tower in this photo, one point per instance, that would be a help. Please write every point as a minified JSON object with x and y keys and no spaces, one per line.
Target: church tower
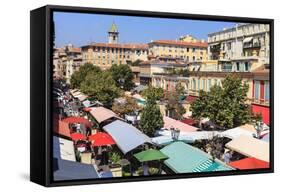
{"x":113,"y":34}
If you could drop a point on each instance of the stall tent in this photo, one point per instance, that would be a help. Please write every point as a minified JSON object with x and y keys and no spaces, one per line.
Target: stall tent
{"x":126,"y":136}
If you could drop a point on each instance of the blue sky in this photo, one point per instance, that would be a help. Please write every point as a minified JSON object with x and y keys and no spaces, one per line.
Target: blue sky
{"x":81,"y":28}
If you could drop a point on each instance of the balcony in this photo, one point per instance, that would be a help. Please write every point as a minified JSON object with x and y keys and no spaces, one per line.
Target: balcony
{"x":251,"y":45}
{"x":260,"y":102}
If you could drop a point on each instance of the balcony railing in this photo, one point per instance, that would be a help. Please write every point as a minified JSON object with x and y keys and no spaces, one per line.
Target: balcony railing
{"x":260,"y":102}
{"x":251,"y":45}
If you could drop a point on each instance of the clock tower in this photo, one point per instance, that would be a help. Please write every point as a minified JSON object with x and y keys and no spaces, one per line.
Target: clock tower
{"x":113,"y":34}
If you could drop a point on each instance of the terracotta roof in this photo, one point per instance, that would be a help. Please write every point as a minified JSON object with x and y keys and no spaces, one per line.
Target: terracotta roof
{"x":181,"y":43}
{"x":112,"y":45}
{"x":74,"y":49}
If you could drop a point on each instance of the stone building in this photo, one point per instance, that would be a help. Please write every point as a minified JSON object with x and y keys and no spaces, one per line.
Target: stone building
{"x":186,"y":48}
{"x":66,"y":61}
{"x":106,"y":54}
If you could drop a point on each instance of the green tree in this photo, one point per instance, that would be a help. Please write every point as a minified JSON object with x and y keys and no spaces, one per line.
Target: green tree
{"x":101,"y":87}
{"x":123,"y":76}
{"x":151,"y":118}
{"x":129,"y":106}
{"x":79,"y":76}
{"x":136,"y":62}
{"x":225,"y":106}
{"x":174,"y":104}
{"x":153,"y":93}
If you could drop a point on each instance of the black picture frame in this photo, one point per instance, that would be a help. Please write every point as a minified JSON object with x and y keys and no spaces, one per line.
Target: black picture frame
{"x":41,"y":32}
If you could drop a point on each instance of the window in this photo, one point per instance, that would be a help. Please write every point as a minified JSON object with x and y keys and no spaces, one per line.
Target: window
{"x":198,"y":86}
{"x":204,"y":84}
{"x":266,"y":91}
{"x":227,"y":67}
{"x":193,"y":50}
{"x":187,"y":49}
{"x":237,"y":66}
{"x":257,"y":90}
{"x":209,"y":84}
{"x":193,"y":58}
{"x":215,"y":82}
{"x":246,"y":66}
{"x":194,"y":84}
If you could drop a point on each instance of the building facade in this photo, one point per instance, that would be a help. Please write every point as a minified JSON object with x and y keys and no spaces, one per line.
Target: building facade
{"x":261,"y":93}
{"x":243,"y":50}
{"x":164,"y":72}
{"x":186,"y":48}
{"x":105,"y":55}
{"x":66,"y":61}
{"x":244,"y":47}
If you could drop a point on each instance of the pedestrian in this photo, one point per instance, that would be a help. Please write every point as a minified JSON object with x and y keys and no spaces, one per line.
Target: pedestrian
{"x":227,"y":156}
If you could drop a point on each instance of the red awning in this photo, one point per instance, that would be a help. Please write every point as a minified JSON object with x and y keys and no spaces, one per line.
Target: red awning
{"x":61,"y":128}
{"x":189,"y":121}
{"x":249,"y":163}
{"x":191,"y":99}
{"x":101,"y":139}
{"x":77,"y":136}
{"x":80,"y":120}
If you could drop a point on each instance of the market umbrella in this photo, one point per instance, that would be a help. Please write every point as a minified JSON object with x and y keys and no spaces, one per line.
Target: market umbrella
{"x":150,"y":155}
{"x":77,"y":136}
{"x":80,"y":120}
{"x":101,"y":139}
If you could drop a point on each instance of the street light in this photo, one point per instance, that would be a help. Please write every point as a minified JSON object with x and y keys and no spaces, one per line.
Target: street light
{"x":258,"y":127}
{"x":175,"y":133}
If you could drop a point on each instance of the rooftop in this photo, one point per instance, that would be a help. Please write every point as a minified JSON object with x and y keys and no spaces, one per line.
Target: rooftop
{"x":122,"y":46}
{"x":180,"y":43}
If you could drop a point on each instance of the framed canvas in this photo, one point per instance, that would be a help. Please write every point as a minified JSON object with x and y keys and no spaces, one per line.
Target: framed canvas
{"x":125,"y":95}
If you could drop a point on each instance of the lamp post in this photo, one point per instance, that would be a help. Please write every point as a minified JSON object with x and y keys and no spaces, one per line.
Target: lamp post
{"x":258,"y":127}
{"x":175,"y":133}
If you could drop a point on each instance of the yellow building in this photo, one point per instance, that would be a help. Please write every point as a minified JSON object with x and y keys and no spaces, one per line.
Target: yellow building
{"x":204,"y":80}
{"x":187,"y":49}
{"x":106,"y":54}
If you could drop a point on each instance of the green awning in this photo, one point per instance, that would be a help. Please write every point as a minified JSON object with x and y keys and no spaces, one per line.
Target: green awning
{"x":150,"y":155}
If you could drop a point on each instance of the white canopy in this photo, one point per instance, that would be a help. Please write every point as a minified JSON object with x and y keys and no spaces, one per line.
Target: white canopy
{"x":247,"y":39}
{"x":190,"y":137}
{"x":101,"y":114}
{"x":63,"y":149}
{"x":236,"y":132}
{"x":126,"y":136}
{"x":250,"y":147}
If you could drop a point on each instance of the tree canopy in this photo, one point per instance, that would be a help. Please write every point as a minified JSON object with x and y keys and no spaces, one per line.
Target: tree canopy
{"x":151,"y":118}
{"x":101,"y":87}
{"x":79,"y":76}
{"x":123,"y":76}
{"x":225,"y":106}
{"x":174,"y":104}
{"x":130,"y":105}
{"x":153,"y":93}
